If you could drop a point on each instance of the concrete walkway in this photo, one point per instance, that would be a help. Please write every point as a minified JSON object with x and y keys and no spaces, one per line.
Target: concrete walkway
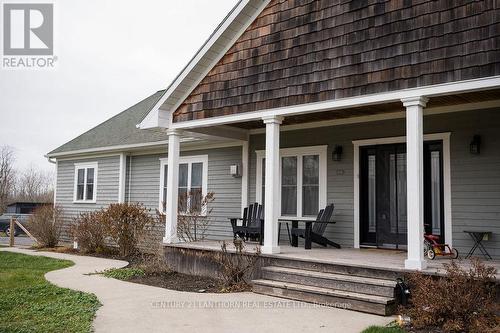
{"x":129,"y":307}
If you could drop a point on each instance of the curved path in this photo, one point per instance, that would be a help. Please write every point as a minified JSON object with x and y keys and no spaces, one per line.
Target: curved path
{"x":130,"y":307}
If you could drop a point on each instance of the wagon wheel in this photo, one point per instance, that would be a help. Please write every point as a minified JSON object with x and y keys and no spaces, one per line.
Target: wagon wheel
{"x":431,"y":254}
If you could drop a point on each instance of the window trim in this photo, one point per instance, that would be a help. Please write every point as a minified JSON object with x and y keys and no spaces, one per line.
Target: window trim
{"x":299,"y":152}
{"x":85,"y":166}
{"x":185,"y":160}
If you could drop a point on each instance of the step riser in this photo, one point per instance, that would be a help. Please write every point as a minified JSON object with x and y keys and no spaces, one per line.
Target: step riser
{"x":340,"y":269}
{"x":328,"y":283}
{"x":335,"y":301}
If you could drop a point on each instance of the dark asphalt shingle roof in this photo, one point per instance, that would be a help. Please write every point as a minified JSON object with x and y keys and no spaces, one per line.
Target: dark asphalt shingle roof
{"x":118,"y":130}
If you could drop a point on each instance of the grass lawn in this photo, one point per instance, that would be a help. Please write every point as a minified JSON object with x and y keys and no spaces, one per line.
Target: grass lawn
{"x":381,"y":329}
{"x":29,"y":303}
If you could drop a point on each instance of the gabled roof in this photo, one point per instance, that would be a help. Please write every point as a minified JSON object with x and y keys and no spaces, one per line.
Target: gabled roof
{"x":119,"y":130}
{"x":281,"y":57}
{"x":219,"y":42}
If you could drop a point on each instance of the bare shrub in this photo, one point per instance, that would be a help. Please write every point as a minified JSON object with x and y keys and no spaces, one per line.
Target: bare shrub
{"x":45,"y":225}
{"x":125,"y":224}
{"x":463,"y":301}
{"x":193,"y":223}
{"x":235,"y":267}
{"x":153,"y":262}
{"x":90,"y":232}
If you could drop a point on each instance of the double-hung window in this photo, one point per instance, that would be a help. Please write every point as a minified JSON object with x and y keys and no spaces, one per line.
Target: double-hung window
{"x":85,"y":188}
{"x":193,"y":178}
{"x":302,"y":180}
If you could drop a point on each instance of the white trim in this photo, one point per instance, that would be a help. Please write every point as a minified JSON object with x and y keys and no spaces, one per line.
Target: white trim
{"x":321,"y":150}
{"x":86,"y":166}
{"x":108,"y":149}
{"x":244,"y":175}
{"x":150,"y":120}
{"x":345,"y":103}
{"x":122,"y":177}
{"x":155,"y":147}
{"x":55,"y":182}
{"x":129,"y":178}
{"x":194,"y":145}
{"x":185,"y":160}
{"x":445,"y":137}
{"x":385,"y":116}
{"x":448,"y":225}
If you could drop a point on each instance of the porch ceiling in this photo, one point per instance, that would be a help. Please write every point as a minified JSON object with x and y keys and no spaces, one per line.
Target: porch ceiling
{"x":434,"y":102}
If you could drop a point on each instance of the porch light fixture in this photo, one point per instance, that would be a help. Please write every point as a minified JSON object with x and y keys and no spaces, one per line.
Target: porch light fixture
{"x":337,"y":153}
{"x":475,"y":145}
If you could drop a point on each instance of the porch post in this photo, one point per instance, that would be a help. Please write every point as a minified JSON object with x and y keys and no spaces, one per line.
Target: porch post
{"x":415,"y":181}
{"x":271,"y":209}
{"x":171,"y":207}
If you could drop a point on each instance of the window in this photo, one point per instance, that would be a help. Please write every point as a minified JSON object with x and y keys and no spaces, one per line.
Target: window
{"x":85,"y":182}
{"x":193,"y":178}
{"x":302,"y":180}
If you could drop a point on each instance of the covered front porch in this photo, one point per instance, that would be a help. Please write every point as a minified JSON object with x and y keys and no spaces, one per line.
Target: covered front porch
{"x":440,"y":179}
{"x":364,"y":258}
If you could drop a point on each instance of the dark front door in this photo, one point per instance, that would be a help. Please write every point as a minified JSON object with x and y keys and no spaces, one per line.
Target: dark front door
{"x":383,"y":210}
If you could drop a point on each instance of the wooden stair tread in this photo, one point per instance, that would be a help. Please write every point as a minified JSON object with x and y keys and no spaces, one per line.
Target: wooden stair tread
{"x":326,"y":291}
{"x":332,"y":276}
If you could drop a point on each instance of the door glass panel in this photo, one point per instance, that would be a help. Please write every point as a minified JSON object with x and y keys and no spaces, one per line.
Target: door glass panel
{"x":289,"y":186}
{"x":263,"y":190}
{"x":401,"y":194}
{"x":310,"y":185}
{"x":392,"y":197}
{"x":372,"y":193}
{"x":436,"y":192}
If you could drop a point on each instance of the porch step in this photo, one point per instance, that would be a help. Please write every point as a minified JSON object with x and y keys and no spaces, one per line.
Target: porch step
{"x":374,"y":304}
{"x":340,"y":282}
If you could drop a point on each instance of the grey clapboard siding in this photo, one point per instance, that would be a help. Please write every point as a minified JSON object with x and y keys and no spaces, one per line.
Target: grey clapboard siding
{"x":145,"y":185}
{"x":475,"y":180}
{"x":107,"y":188}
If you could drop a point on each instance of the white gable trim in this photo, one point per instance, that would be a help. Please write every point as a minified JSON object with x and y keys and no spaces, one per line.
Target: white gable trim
{"x":350,"y":102}
{"x":236,"y":19}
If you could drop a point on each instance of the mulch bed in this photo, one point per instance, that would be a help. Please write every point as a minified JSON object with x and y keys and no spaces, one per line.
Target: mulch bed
{"x":168,"y":280}
{"x":180,"y":282}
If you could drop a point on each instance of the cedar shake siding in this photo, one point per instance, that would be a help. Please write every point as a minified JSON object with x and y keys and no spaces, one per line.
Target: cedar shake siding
{"x":300,"y":51}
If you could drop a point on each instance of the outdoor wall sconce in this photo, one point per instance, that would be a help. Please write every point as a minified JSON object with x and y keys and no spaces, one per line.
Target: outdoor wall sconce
{"x":235,"y":170}
{"x":475,"y":145}
{"x":337,"y":153}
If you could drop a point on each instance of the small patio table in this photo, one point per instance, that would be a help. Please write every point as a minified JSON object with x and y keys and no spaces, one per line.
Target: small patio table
{"x":478,"y":236}
{"x":295,"y":224}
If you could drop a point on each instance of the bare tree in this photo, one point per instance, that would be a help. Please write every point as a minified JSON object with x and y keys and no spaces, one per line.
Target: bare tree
{"x":34,"y":185}
{"x":7,"y":175}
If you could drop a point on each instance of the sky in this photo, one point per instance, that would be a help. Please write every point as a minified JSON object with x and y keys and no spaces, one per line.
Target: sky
{"x":110,"y":55}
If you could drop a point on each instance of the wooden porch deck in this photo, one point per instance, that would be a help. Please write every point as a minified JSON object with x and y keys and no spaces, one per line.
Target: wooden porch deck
{"x":365,"y":258}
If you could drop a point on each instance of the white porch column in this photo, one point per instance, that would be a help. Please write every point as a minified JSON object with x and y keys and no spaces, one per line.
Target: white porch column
{"x":171,"y":208}
{"x":271,"y":209}
{"x":415,"y":181}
